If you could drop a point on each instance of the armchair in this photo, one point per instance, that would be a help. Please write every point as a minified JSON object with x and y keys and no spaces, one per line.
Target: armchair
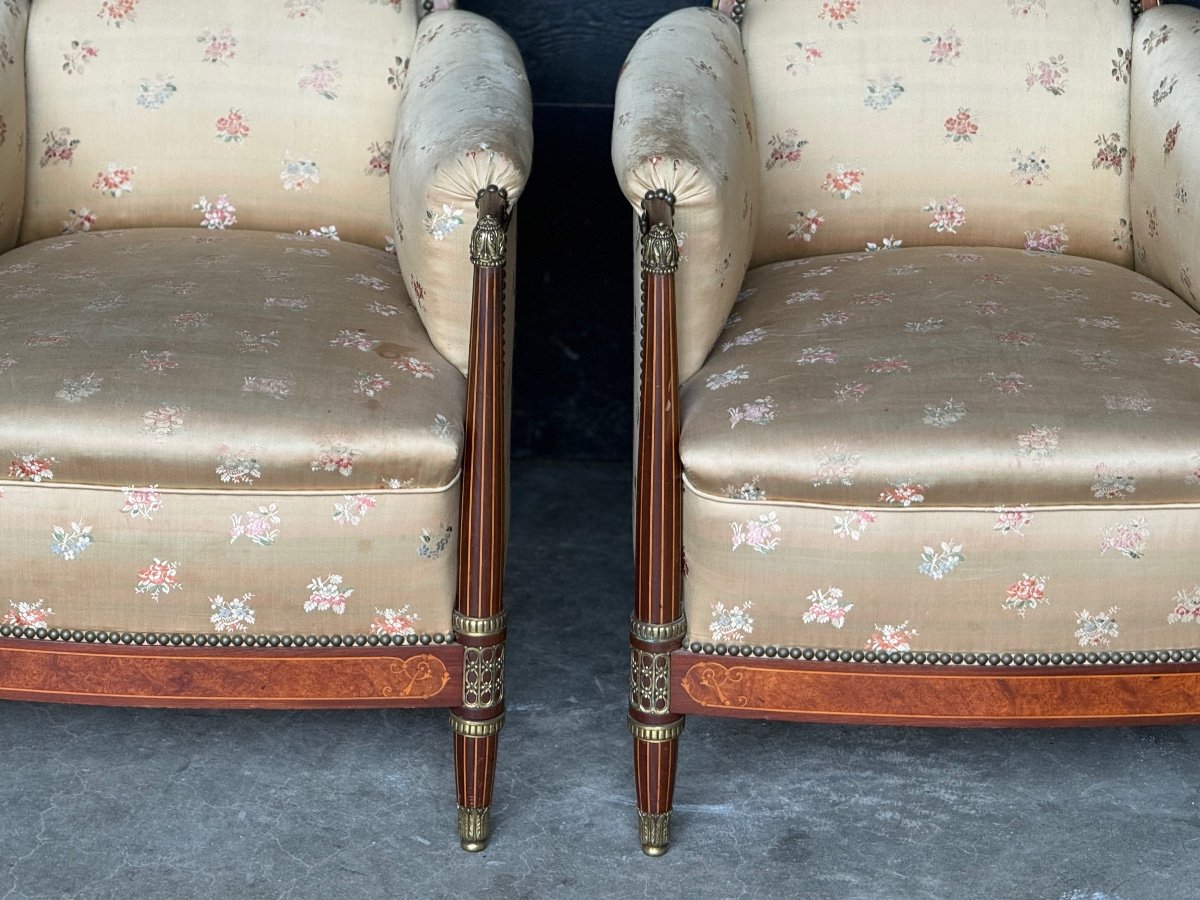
{"x":253,"y":341}
{"x":918,"y":412}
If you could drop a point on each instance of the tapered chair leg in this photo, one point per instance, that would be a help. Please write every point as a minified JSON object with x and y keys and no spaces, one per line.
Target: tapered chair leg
{"x":475,"y":745}
{"x":655,"y":758}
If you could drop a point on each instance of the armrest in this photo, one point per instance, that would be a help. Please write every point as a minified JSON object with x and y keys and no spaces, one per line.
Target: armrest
{"x":13,"y":21}
{"x":465,"y":123}
{"x":684,"y":125}
{"x":1165,"y":132}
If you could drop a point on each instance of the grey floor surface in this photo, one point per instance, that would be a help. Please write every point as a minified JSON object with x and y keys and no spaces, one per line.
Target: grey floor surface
{"x":114,"y":803}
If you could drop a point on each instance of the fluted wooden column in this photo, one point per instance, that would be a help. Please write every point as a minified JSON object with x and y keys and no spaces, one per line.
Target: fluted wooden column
{"x":657,"y":626}
{"x":479,"y":619}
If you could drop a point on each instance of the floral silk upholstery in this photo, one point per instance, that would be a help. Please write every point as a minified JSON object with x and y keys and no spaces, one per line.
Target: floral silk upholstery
{"x":946,"y":449}
{"x":236,"y":431}
{"x":1166,"y":144}
{"x":279,"y":115}
{"x":240,"y":422}
{"x":700,"y":148}
{"x":1002,"y":123}
{"x":13,"y":18}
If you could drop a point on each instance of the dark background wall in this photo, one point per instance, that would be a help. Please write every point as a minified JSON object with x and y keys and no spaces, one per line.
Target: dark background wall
{"x":573,"y":386}
{"x":572,"y":390}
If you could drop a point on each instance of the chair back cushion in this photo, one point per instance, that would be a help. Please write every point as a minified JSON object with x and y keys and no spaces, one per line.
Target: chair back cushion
{"x":1001,"y":123}
{"x":272,"y":114}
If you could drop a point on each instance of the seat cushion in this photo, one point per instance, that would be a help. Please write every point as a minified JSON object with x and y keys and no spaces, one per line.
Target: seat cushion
{"x":190,"y":418}
{"x":946,"y":449}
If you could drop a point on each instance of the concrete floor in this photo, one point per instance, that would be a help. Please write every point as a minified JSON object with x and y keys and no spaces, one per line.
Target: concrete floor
{"x":113,"y":803}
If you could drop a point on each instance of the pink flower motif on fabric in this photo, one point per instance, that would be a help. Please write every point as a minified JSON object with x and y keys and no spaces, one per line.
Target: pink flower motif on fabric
{"x":1187,"y":607}
{"x":43,"y":339}
{"x":1097,"y":630}
{"x":1128,"y":538}
{"x":379,"y":161}
{"x":826,"y":608}
{"x":903,"y":493}
{"x":218,"y":215}
{"x":1029,"y":169}
{"x":141,"y":502}
{"x":27,"y":615}
{"x":943,"y":415}
{"x":948,"y":215}
{"x":231,"y":616}
{"x":327,"y":595}
{"x":876,"y":298}
{"x":322,"y":78}
{"x":418,"y":369}
{"x":219,"y":46}
{"x":1021,"y":8}
{"x":961,"y":127}
{"x":892,"y":638}
{"x":118,"y":12}
{"x":855,"y":390}
{"x":232,"y":128}
{"x":839,"y":12}
{"x":1050,"y":74}
{"x":158,"y":579}
{"x":1026,"y":594}
{"x":889,"y":365}
{"x":299,"y":9}
{"x":157,"y":363}
{"x":757,"y":412}
{"x":748,"y":491}
{"x":76,"y":59}
{"x":786,"y":148}
{"x":1012,"y":383}
{"x":944,"y":47}
{"x":114,"y":180}
{"x":750,"y":337}
{"x":79,"y":220}
{"x":370,"y":385}
{"x":354,"y":340}
{"x":59,"y":148}
{"x":401,"y":621}
{"x":853,"y":523}
{"x":757,"y":533}
{"x":259,"y":526}
{"x":1012,"y":519}
{"x":353,"y":509}
{"x":731,"y":624}
{"x":32,"y":467}
{"x":1111,"y":154}
{"x":186,"y":320}
{"x":843,"y":181}
{"x":798,"y":63}
{"x":812,"y":355}
{"x":1053,"y":239}
{"x":336,"y":455}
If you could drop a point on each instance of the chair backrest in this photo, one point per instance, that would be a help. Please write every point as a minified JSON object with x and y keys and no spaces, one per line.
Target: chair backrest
{"x":997,"y":122}
{"x":277,"y":113}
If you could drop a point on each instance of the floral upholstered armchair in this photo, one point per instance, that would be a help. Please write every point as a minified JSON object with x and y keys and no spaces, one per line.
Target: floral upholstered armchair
{"x":252,"y":340}
{"x":920,"y":376}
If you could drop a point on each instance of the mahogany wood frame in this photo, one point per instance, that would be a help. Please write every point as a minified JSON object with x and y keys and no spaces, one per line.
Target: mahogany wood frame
{"x":465,"y":675}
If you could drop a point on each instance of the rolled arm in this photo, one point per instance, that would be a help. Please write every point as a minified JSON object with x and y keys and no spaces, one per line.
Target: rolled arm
{"x":14,"y":18}
{"x":1165,"y":129}
{"x":465,"y":123}
{"x":684,"y":126}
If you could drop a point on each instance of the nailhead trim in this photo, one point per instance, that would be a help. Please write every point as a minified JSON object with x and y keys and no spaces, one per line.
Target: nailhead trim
{"x":64,"y":635}
{"x":922,"y":657}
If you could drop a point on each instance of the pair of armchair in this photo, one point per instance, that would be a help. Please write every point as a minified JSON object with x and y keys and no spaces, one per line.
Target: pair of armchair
{"x":919,"y":411}
{"x":253,"y":343}
{"x":917,"y":421}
